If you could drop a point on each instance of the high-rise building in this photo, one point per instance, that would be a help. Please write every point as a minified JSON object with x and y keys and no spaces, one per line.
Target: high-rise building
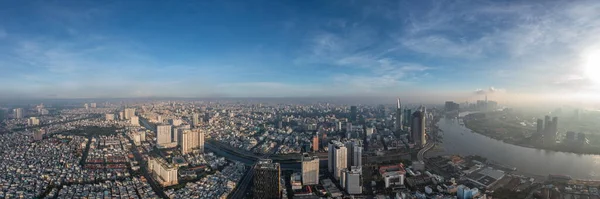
{"x":399,"y":117}
{"x":175,"y":122}
{"x":357,"y":151}
{"x":354,"y":151}
{"x":109,"y":117}
{"x":540,"y":126}
{"x":86,"y":106}
{"x":310,"y":169}
{"x":18,"y":113}
{"x":38,"y":135}
{"x":418,"y":128}
{"x":315,"y":142}
{"x":33,"y":121}
{"x":547,"y":122}
{"x":135,"y":121}
{"x":450,"y":106}
{"x":163,"y":172}
{"x":353,"y":114}
{"x":93,"y":105}
{"x":267,"y":175}
{"x":352,"y":180}
{"x":191,"y":139}
{"x":195,"y":119}
{"x":337,"y":158}
{"x":163,"y":134}
{"x":129,"y":112}
{"x":407,"y":117}
{"x":121,"y":115}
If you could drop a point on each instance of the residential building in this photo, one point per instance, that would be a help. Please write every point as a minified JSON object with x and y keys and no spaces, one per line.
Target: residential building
{"x":310,"y":169}
{"x":267,"y":175}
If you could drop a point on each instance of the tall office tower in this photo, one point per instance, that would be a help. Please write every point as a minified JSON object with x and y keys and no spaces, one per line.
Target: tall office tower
{"x":2,"y":114}
{"x":195,"y":119}
{"x":338,"y":125}
{"x":129,"y":112}
{"x":407,"y":117}
{"x":551,"y":131}
{"x":349,"y":156}
{"x":163,"y":134}
{"x":109,"y":117}
{"x":135,"y":120}
{"x":93,"y":105}
{"x":357,"y":151}
{"x":337,"y":158}
{"x":163,"y":172}
{"x":418,"y":128}
{"x":540,"y":126}
{"x":310,"y":169}
{"x":354,"y":152}
{"x":267,"y":177}
{"x":399,"y":117}
{"x":32,"y":121}
{"x":353,"y":114}
{"x":18,"y":113}
{"x":352,"y":180}
{"x":315,"y":142}
{"x":547,"y":123}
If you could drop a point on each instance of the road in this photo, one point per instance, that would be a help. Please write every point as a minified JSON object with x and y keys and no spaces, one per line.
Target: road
{"x":240,"y":189}
{"x":138,"y":157}
{"x":428,"y":146}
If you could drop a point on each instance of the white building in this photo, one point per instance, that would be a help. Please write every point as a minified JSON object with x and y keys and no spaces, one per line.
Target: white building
{"x":32,"y":121}
{"x":18,"y":113}
{"x":164,"y":173}
{"x":337,"y":158}
{"x":109,"y":117}
{"x":135,"y":121}
{"x":190,"y":140}
{"x":352,"y":180}
{"x":310,"y":169}
{"x":128,"y":113}
{"x":163,"y":135}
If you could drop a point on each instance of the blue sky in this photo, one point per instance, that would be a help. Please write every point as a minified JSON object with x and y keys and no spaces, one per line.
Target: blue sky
{"x":430,"y":49}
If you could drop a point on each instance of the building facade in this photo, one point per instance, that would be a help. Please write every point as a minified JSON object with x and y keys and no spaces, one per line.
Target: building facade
{"x":267,"y":175}
{"x":310,"y":169}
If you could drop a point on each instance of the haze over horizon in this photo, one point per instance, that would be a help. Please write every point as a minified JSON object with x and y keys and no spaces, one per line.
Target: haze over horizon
{"x":513,"y":51}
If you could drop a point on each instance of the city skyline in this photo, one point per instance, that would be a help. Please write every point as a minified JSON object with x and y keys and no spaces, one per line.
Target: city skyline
{"x":511,"y":51}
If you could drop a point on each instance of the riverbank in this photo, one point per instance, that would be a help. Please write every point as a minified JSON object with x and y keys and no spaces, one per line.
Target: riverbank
{"x":526,"y":141}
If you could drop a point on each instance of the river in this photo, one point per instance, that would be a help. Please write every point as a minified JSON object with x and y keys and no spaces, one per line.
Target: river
{"x":458,"y":139}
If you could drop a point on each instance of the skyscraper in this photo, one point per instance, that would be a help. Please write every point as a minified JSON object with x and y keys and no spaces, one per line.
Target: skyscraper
{"x":129,"y":112}
{"x":315,"y":142}
{"x":163,"y":172}
{"x":195,"y":119}
{"x":310,"y":169}
{"x":418,"y":128}
{"x":352,"y":181}
{"x":353,"y":114}
{"x":337,"y":158}
{"x":407,"y":117}
{"x":540,"y":126}
{"x":163,"y":134}
{"x":92,"y":105}
{"x":18,"y":113}
{"x":267,"y":177}
{"x":135,"y":121}
{"x":399,"y":117}
{"x":357,"y":151}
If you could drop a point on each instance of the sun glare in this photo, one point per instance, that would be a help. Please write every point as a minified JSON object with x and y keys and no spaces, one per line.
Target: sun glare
{"x":592,"y":66}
